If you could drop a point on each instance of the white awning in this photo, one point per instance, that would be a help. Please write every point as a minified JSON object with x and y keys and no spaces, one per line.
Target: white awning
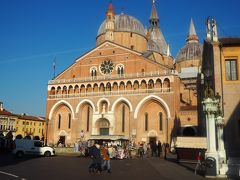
{"x":109,"y":137}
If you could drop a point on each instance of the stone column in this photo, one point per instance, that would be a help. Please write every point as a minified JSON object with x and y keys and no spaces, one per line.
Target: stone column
{"x":221,"y":148}
{"x":210,"y":108}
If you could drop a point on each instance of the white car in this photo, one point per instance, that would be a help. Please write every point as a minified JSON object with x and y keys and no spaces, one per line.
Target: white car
{"x":32,"y":147}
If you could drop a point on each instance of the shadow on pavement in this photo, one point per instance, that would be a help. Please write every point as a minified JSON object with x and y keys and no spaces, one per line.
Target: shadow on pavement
{"x":7,"y":159}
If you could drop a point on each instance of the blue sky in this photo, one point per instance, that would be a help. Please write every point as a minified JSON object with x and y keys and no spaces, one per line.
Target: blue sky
{"x":33,"y":33}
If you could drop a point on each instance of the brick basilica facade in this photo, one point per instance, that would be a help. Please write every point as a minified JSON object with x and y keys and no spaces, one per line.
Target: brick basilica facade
{"x":127,"y":87}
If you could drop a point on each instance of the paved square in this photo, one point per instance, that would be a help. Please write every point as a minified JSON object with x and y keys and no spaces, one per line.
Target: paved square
{"x":72,"y":167}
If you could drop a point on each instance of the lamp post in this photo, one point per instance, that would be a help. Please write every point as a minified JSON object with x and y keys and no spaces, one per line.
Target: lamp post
{"x":46,"y":141}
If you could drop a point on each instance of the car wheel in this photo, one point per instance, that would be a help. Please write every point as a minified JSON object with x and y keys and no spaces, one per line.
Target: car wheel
{"x":47,"y":154}
{"x":19,"y":154}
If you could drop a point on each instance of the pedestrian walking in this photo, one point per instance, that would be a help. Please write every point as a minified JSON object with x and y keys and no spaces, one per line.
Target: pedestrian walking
{"x":141,"y":150}
{"x":159,"y":147}
{"x":199,"y":162}
{"x":154,"y":149}
{"x":106,"y":159}
{"x":164,"y":150}
{"x":95,"y":155}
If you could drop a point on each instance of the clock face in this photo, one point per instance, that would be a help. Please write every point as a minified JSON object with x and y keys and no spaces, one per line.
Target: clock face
{"x":106,"y":67}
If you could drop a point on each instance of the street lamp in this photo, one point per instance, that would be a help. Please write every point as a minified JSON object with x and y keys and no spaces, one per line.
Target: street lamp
{"x":46,"y":141}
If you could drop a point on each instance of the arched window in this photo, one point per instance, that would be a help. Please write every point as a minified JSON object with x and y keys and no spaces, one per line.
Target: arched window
{"x":59,"y":121}
{"x":93,"y":72}
{"x":53,"y":91}
{"x":120,"y":69}
{"x":108,"y":87}
{"x":166,"y":85}
{"x":146,"y":121}
{"x":160,"y":121}
{"x":69,"y":121}
{"x":150,"y":84}
{"x":123,"y":118}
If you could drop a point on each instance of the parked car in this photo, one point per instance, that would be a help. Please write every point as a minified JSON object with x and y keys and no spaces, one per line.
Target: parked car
{"x":32,"y":147}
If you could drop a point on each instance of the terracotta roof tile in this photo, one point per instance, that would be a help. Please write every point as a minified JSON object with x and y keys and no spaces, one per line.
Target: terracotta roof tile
{"x":6,"y":113}
{"x":230,"y":41}
{"x":34,"y":118}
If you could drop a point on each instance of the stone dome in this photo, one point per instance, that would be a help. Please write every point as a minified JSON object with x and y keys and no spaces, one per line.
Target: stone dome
{"x":124,"y":23}
{"x":191,"y":51}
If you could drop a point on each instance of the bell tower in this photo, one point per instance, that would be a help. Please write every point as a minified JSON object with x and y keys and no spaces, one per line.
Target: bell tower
{"x":110,"y":17}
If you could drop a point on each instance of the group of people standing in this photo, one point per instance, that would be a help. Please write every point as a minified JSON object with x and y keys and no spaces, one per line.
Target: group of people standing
{"x":102,"y":154}
{"x":100,"y":158}
{"x":6,"y":143}
{"x":153,"y":149}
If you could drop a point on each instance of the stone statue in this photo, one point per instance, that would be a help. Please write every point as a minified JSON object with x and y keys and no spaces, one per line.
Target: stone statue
{"x":208,"y":92}
{"x":104,"y":108}
{"x":214,"y":27}
{"x":208,"y":25}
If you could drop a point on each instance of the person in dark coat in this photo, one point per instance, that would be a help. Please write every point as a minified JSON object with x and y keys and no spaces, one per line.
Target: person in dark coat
{"x":154,"y":149}
{"x":159,"y":147}
{"x":95,"y":155}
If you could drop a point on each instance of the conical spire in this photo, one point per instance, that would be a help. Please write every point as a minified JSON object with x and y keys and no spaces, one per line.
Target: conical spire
{"x":192,"y":30}
{"x":192,"y":35}
{"x":154,"y":14}
{"x":110,"y":8}
{"x":154,"y":20}
{"x":155,"y":32}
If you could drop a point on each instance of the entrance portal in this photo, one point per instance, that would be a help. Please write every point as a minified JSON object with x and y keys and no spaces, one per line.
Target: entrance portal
{"x":104,"y":131}
{"x":61,"y":140}
{"x":103,"y":126}
{"x":152,"y":140}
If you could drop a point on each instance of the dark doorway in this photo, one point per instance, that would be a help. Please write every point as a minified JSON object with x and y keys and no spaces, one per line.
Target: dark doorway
{"x":152,"y":140}
{"x":104,"y":131}
{"x":189,"y":131}
{"x":61,"y":140}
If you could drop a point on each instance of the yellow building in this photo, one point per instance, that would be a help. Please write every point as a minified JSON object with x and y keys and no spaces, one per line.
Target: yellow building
{"x":7,"y":121}
{"x":31,"y":126}
{"x":220,"y":71}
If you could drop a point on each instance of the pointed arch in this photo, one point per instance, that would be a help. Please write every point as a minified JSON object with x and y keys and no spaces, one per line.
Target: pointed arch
{"x":124,"y":100}
{"x":76,"y":89}
{"x":140,"y":104}
{"x":53,"y":91}
{"x":58,"y":104}
{"x":85,"y":101}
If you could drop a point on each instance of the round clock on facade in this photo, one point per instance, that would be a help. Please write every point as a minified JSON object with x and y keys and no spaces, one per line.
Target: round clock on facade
{"x":106,"y":67}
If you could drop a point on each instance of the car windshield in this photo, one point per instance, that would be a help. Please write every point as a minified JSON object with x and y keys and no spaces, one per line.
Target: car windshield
{"x":38,"y":144}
